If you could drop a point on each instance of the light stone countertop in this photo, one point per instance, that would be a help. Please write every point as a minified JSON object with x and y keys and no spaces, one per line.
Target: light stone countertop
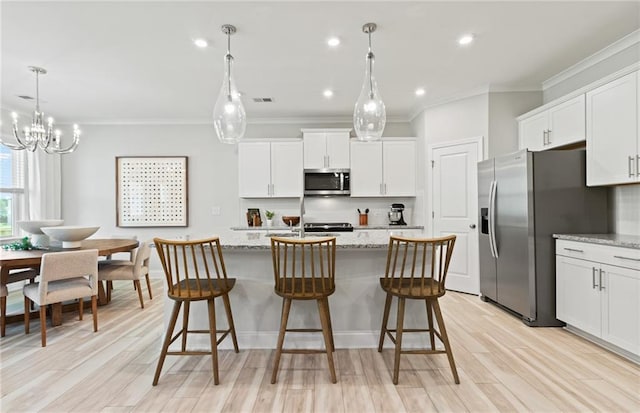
{"x":257,"y":239}
{"x":355,"y":228}
{"x":618,"y":240}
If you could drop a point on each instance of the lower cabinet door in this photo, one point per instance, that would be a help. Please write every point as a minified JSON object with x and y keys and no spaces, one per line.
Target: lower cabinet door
{"x":621,"y":307}
{"x":578,"y":294}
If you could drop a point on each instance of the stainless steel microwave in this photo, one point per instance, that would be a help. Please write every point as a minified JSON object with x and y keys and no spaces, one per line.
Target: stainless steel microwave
{"x":321,"y":182}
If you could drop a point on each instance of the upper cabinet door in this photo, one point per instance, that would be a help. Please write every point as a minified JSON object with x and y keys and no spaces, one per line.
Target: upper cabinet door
{"x":366,"y":169}
{"x":254,"y":169}
{"x":326,"y":149}
{"x":612,"y":132}
{"x":338,"y":150}
{"x":557,"y":126}
{"x":315,"y":150}
{"x":533,"y":132}
{"x":286,"y":169}
{"x":399,"y":168}
{"x":566,"y":123}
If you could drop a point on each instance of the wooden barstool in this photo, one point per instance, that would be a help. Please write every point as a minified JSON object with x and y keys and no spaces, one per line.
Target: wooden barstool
{"x":304,"y":269}
{"x":416,"y":269}
{"x":195,"y":271}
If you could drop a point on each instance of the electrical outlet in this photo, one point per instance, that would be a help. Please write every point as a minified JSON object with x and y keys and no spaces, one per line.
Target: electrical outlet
{"x":215,"y":210}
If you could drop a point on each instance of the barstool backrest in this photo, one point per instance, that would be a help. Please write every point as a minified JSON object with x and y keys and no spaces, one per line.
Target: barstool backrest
{"x":193,"y":269}
{"x":417,"y":267}
{"x":304,"y":267}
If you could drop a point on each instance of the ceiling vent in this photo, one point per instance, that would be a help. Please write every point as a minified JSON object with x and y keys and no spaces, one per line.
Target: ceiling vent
{"x":262,"y":100}
{"x":25,"y":97}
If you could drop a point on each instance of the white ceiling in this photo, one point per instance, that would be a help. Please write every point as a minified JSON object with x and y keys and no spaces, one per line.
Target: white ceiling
{"x":135,"y":61}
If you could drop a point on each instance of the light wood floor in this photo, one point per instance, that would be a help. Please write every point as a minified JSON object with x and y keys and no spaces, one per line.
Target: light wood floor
{"x":503,"y":366}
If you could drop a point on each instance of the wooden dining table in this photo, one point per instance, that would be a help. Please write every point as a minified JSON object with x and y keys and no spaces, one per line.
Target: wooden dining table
{"x":11,"y":260}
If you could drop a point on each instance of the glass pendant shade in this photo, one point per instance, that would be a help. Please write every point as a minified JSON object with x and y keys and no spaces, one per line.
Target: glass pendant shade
{"x":369,"y":115}
{"x":229,"y":117}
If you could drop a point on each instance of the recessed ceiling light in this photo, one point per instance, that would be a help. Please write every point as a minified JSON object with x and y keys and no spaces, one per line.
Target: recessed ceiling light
{"x":420,"y":92}
{"x":333,"y":41}
{"x":465,"y":39}
{"x":201,"y":43}
{"x":328,"y":93}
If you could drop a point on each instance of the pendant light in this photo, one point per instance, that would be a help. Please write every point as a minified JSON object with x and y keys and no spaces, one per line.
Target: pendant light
{"x":229,"y":117}
{"x":369,"y":115}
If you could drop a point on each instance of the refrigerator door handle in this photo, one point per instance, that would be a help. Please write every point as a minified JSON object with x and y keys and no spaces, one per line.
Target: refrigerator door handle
{"x":492,"y":219}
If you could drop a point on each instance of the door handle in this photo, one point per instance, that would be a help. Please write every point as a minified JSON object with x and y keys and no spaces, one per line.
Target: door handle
{"x":626,"y":258}
{"x":631,"y":174}
{"x":593,"y":278}
{"x":573,"y":250}
{"x":472,"y":226}
{"x":600,"y":279}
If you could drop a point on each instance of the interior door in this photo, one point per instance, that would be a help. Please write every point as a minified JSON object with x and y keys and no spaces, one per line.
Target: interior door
{"x":455,"y":206}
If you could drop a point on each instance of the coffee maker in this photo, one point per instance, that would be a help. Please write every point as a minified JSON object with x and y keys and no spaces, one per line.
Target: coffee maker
{"x":395,"y":215}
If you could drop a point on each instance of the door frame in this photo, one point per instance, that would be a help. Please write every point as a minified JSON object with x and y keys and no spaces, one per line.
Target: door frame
{"x":478,"y":140}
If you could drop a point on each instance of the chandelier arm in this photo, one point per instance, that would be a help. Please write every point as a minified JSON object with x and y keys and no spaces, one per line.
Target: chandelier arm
{"x":12,"y":145}
{"x":72,"y":147}
{"x":24,"y":143}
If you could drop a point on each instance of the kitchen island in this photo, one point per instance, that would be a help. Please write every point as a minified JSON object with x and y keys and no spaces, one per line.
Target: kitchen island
{"x":356,"y":306}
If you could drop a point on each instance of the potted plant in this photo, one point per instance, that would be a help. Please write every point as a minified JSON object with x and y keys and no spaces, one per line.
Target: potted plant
{"x":269,"y":215}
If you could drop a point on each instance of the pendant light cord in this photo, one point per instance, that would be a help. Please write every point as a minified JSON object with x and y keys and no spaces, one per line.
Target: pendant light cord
{"x":37,"y":93}
{"x":370,"y":62}
{"x":228,"y":58}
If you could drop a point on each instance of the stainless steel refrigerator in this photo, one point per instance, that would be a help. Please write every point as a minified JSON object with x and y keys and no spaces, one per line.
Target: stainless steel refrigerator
{"x":524,"y":198}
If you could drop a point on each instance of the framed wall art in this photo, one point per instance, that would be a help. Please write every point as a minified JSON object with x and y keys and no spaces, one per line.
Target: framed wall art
{"x":152,"y":191}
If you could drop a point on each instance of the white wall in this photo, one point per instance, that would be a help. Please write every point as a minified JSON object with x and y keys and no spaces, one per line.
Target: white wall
{"x":88,"y":178}
{"x":504,"y":107}
{"x":626,"y":212}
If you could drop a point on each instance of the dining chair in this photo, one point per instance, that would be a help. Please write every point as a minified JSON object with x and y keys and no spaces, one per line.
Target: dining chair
{"x":416,"y":269}
{"x":16,"y":275}
{"x":63,"y":276}
{"x":109,"y":260}
{"x":110,"y":271}
{"x":195,"y":271}
{"x":304,"y":269}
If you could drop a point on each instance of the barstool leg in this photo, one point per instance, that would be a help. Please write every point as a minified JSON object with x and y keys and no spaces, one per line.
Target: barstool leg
{"x":167,"y":340}
{"x":430,"y":321}
{"x":283,"y":326}
{"x":185,"y":325}
{"x":385,"y":320}
{"x":323,"y":309}
{"x":445,"y":340}
{"x":232,"y":327}
{"x":214,"y":340}
{"x":396,"y":363}
{"x":326,"y":305}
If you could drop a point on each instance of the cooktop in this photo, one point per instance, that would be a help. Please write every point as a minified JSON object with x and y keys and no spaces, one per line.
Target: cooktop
{"x":328,"y":227}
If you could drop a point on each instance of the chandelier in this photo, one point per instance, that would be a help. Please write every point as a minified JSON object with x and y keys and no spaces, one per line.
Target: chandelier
{"x":229,"y":117}
{"x":369,"y":115}
{"x":38,"y":135}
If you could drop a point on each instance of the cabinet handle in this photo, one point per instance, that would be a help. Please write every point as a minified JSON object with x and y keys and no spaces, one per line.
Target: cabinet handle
{"x":626,"y":258}
{"x":385,"y":188}
{"x":593,"y":278}
{"x":631,"y":174}
{"x":600,"y":279}
{"x":544,"y":137}
{"x":573,"y":249}
{"x":548,"y":136}
{"x":637,"y":165}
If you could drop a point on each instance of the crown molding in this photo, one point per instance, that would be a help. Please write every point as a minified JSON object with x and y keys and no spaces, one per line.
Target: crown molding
{"x":615,"y":47}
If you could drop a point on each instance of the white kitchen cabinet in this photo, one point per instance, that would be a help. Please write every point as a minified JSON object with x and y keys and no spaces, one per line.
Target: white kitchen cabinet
{"x":558,"y":125}
{"x":613,"y":142}
{"x":270,"y":169}
{"x":598,"y":291}
{"x":326,"y":148}
{"x":383,"y":168}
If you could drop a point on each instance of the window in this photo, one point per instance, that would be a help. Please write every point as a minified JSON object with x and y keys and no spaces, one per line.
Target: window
{"x":12,"y":167}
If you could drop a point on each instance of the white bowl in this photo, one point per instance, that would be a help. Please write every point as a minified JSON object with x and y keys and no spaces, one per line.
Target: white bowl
{"x":38,"y":238}
{"x":71,"y":236}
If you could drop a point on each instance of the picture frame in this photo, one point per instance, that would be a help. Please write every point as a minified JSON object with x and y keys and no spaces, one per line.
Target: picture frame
{"x":250,"y":213}
{"x":152,"y":191}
